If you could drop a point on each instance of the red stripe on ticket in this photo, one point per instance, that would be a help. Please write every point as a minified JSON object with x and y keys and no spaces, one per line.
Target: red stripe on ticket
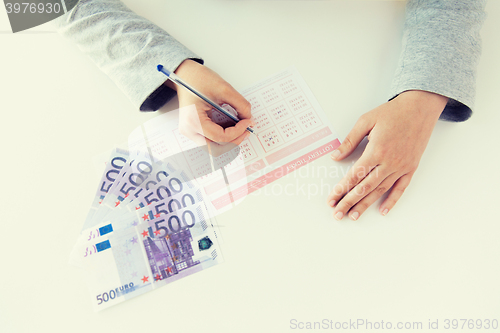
{"x":302,"y":143}
{"x":268,"y":178}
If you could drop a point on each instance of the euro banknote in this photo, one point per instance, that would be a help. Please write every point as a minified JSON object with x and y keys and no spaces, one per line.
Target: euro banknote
{"x":121,"y":264}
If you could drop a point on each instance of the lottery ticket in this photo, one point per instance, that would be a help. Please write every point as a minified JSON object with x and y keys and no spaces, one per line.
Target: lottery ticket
{"x":291,"y":130}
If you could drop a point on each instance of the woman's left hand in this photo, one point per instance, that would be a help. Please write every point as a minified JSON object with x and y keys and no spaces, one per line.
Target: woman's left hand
{"x":398,"y":132}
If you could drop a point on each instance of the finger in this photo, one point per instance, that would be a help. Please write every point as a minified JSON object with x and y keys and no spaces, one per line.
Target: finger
{"x":359,"y":208}
{"x":216,"y":133}
{"x":240,"y":139}
{"x":238,"y":102}
{"x":355,"y":175}
{"x":215,"y":148}
{"x":396,"y":192}
{"x":361,"y":129}
{"x":364,"y":188}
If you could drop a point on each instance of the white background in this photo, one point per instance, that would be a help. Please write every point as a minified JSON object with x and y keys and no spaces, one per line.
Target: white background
{"x":434,"y":256}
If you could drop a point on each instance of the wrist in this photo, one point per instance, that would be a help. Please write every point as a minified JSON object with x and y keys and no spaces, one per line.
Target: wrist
{"x":425,"y":102}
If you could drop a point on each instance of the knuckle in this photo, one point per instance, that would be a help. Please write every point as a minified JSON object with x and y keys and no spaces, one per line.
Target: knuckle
{"x":381,"y":190}
{"x":399,"y":190}
{"x":353,"y":180}
{"x":338,"y":190}
{"x":347,"y":204}
{"x":347,"y":143}
{"x":364,"y":189}
{"x":361,"y":206}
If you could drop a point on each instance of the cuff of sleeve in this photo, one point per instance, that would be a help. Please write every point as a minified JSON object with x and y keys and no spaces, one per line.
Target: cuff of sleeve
{"x":454,"y":110}
{"x":455,"y":82}
{"x":126,"y":47}
{"x":440,"y":52}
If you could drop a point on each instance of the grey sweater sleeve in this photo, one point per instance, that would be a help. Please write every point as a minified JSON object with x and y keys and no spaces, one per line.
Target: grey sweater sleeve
{"x":126,"y":47}
{"x":440,"y":52}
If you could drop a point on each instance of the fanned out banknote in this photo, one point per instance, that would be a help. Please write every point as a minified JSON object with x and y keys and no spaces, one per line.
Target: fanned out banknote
{"x":148,"y":226}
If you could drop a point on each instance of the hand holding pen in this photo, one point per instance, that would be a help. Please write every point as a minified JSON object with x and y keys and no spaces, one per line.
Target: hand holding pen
{"x":215,"y":91}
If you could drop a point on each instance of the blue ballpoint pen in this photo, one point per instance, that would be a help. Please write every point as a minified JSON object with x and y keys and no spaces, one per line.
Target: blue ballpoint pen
{"x":177,"y":80}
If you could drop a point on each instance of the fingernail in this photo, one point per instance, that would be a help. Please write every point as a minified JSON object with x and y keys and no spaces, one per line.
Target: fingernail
{"x":336,"y":154}
{"x":385,"y":212}
{"x":354,"y":216}
{"x":339,"y":216}
{"x":332,"y":203}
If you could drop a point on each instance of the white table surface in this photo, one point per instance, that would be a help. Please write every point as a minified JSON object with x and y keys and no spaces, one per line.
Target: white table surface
{"x":435,"y":256}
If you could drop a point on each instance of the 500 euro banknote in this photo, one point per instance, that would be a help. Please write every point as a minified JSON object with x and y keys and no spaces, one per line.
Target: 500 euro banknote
{"x":126,"y":263}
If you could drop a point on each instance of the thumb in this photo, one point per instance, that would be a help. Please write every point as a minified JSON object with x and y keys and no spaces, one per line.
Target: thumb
{"x":238,"y":102}
{"x":243,"y":124}
{"x":352,"y":140}
{"x":237,"y":130}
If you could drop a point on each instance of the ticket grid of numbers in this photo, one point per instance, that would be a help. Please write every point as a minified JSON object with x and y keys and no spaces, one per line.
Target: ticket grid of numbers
{"x":292,"y":130}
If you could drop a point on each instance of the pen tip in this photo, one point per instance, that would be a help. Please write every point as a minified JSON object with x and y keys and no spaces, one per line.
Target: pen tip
{"x":159,"y":67}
